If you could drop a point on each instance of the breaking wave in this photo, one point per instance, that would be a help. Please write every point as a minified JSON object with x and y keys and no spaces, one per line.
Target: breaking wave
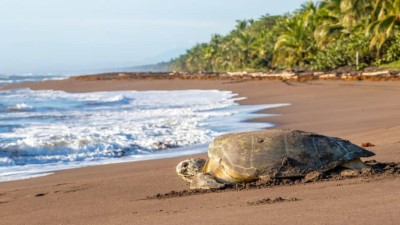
{"x":43,"y":131}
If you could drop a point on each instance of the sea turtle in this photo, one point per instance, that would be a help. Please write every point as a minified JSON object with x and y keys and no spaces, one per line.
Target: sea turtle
{"x":268,"y":154}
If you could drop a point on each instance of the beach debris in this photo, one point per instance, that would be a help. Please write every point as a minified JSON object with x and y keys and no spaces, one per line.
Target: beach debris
{"x":344,"y":73}
{"x":367,"y":171}
{"x":312,"y":176}
{"x":276,"y":153}
{"x":40,"y":194}
{"x":350,"y":173}
{"x":367,"y":144}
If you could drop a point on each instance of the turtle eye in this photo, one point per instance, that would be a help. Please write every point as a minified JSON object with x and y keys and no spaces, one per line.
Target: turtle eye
{"x":185,"y":164}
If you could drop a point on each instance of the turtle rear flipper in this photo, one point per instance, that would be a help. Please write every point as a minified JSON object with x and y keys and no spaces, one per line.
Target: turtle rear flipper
{"x":355,"y":164}
{"x":205,"y":181}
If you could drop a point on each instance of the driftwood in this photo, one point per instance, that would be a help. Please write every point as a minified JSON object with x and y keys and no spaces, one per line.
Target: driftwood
{"x":373,"y":75}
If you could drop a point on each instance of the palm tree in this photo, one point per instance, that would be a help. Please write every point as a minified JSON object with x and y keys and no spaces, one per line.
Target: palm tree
{"x":295,"y":44}
{"x":339,"y":18}
{"x":329,"y":18}
{"x":289,"y":48}
{"x":245,"y":45}
{"x":241,"y":25}
{"x":195,"y":58}
{"x":387,"y":18}
{"x":355,"y":12}
{"x":326,"y":27}
{"x":223,"y":60}
{"x":212,"y":50}
{"x":261,"y":50}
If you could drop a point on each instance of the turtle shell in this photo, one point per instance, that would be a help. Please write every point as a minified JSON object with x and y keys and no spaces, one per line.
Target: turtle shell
{"x":279,"y":153}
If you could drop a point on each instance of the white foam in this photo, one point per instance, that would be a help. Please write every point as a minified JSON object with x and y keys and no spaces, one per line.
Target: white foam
{"x":73,"y":130}
{"x":19,"y":106}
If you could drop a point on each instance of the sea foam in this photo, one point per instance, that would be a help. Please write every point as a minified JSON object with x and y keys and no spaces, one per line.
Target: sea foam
{"x":42,"y":131}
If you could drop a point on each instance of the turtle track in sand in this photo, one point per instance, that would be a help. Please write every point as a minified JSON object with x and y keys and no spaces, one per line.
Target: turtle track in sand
{"x":269,"y":201}
{"x":377,"y":171}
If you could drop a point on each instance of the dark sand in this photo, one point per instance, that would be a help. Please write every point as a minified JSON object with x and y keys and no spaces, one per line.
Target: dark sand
{"x":117,"y":194}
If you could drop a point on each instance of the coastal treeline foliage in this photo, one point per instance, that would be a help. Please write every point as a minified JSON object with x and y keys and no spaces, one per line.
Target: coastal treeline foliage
{"x":320,"y":35}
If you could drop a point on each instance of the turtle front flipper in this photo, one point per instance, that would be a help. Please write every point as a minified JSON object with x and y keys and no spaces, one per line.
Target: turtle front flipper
{"x":205,"y":181}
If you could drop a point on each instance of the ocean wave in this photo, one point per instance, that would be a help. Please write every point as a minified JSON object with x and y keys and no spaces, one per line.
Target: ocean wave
{"x":109,"y":101}
{"x":58,"y":128}
{"x":29,"y":77}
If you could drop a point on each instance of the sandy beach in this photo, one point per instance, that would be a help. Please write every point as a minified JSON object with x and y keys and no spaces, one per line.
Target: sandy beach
{"x":360,"y":111}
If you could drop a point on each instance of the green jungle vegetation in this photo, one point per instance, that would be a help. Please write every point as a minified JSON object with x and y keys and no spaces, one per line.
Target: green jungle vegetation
{"x":322,"y":35}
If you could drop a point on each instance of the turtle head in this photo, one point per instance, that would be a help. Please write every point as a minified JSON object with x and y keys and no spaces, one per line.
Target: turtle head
{"x":188,"y":168}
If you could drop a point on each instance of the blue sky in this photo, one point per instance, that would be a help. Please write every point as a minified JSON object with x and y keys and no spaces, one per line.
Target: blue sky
{"x":76,"y":35}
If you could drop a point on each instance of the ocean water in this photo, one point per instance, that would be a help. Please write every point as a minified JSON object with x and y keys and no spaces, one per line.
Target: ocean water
{"x":45,"y":131}
{"x":28,"y":77}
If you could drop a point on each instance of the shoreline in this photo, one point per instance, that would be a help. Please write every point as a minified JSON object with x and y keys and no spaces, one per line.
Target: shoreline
{"x":187,"y":151}
{"x":239,"y":121}
{"x":114,"y":194}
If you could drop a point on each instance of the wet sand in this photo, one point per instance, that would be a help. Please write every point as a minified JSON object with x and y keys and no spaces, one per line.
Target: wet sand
{"x":117,"y":194}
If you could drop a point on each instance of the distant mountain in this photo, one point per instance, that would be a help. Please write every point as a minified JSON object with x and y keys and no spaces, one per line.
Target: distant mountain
{"x":157,"y":63}
{"x":159,"y":67}
{"x":162,"y":57}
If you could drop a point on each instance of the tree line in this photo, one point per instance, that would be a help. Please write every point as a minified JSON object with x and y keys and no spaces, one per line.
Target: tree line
{"x":320,"y":35}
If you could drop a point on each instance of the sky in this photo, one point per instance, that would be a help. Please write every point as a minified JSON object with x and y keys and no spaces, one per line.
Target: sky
{"x":52,"y":36}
